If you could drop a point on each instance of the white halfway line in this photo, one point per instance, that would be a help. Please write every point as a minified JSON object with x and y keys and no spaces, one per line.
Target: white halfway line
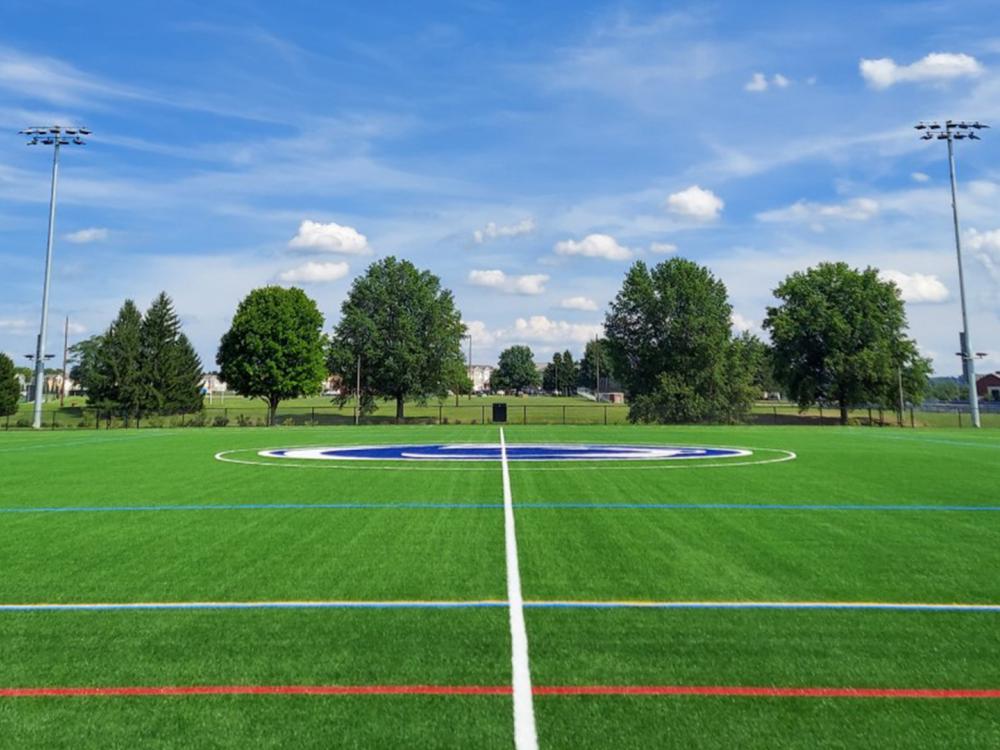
{"x":525,"y":734}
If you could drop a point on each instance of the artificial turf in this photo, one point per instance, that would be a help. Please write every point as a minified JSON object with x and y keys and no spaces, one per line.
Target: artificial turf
{"x":611,"y":531}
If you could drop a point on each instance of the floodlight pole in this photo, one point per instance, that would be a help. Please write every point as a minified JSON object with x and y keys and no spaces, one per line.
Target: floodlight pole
{"x":950,"y":132}
{"x":54,"y":136}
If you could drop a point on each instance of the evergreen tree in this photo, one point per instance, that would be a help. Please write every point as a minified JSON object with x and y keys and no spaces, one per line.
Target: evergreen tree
{"x":10,"y":389}
{"x":119,"y":383}
{"x":596,"y":363}
{"x":171,"y":371}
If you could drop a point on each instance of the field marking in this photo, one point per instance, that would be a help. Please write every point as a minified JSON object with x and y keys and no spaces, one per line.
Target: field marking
{"x":549,"y":691}
{"x":527,"y":505}
{"x":251,"y":506}
{"x":225,"y":457}
{"x":98,"y":441}
{"x":497,"y":603}
{"x":525,"y":733}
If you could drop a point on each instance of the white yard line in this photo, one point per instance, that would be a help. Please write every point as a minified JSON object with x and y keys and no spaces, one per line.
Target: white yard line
{"x":525,"y":735}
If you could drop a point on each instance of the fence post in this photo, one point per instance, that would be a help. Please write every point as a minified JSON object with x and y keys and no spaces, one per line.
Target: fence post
{"x":482,"y":408}
{"x":313,"y":417}
{"x":775,"y":410}
{"x":959,"y":410}
{"x":605,"y":414}
{"x":821,"y":415}
{"x":7,"y":427}
{"x":564,"y":413}
{"x":53,"y":419}
{"x":912,"y":423}
{"x":440,"y":411}
{"x":524,"y":415}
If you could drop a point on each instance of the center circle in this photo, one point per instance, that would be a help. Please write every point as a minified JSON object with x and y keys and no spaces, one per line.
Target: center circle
{"x":493,"y":452}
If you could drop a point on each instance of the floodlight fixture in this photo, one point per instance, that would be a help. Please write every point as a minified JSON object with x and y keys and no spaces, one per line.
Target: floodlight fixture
{"x":953,"y":131}
{"x":55,"y":136}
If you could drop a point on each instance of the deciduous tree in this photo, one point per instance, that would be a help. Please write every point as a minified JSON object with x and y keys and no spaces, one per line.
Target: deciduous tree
{"x":516,"y":370}
{"x":274,"y":348}
{"x":10,"y":388}
{"x":405,"y":328}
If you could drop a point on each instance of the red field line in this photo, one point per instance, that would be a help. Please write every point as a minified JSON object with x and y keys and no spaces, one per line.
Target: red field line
{"x":459,"y":690}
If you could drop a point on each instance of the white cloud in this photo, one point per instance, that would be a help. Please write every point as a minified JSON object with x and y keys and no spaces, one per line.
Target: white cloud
{"x":481,"y":335}
{"x":663,"y":248}
{"x":696,"y":203}
{"x":15,"y":325}
{"x":494,"y":231}
{"x":540,"y":328}
{"x":315,"y":273}
{"x":741,"y":324}
{"x":986,"y":246}
{"x":920,"y":177}
{"x":757,"y":83}
{"x":594,"y":246}
{"x":76,"y":328}
{"x":917,"y":287}
{"x":83,"y":236}
{"x":936,"y":67}
{"x":857,"y":209}
{"x":329,"y":238}
{"x":578,"y":303}
{"x":529,"y":284}
{"x":780,"y":81}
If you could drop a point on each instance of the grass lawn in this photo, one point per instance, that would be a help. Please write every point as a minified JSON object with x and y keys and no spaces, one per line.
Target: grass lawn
{"x":257,"y":571}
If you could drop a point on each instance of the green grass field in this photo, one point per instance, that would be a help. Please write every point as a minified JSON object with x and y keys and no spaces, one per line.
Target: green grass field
{"x":861,"y":515}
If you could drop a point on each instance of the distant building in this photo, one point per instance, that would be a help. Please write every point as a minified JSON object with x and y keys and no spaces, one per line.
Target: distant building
{"x":988,"y":386}
{"x":212,"y":383}
{"x":480,"y":376}
{"x":23,"y":385}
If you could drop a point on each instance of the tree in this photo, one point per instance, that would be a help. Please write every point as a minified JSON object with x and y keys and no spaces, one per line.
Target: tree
{"x":117,"y":377}
{"x":838,"y":335}
{"x":515,"y":371}
{"x":596,"y":363}
{"x":405,"y":328}
{"x":171,"y":370}
{"x":670,"y":341}
{"x":274,"y":348}
{"x":10,"y":388}
{"x":945,"y":389}
{"x":458,"y":380}
{"x":84,"y":357}
{"x":560,"y":374}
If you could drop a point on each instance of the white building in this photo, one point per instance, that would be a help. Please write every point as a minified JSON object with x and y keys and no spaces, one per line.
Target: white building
{"x":480,"y":376}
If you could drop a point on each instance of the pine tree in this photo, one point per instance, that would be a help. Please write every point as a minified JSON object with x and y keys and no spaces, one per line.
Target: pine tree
{"x":185,"y":391}
{"x":10,"y":389}
{"x":120,"y":381}
{"x":160,"y":329}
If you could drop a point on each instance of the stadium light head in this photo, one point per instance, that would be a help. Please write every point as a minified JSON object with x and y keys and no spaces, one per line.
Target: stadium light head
{"x":56,"y":135}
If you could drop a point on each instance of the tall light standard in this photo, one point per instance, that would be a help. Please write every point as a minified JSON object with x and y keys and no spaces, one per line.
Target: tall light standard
{"x":952,"y":131}
{"x":54,"y":136}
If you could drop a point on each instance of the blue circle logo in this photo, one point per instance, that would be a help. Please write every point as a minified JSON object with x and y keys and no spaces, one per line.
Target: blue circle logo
{"x":492,"y":452}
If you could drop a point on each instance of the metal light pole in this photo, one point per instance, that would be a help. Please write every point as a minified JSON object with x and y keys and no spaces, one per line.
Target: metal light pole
{"x":952,"y":131}
{"x":54,"y":136}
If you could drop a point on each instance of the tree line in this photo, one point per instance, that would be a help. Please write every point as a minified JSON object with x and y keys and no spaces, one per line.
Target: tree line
{"x":837,"y":335}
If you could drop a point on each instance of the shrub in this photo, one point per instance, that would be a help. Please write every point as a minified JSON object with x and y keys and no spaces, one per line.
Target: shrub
{"x":220,"y":420}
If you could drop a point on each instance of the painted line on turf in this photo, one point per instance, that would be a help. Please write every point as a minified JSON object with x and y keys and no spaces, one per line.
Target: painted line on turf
{"x":251,"y":506}
{"x":528,"y":505}
{"x":548,"y":691}
{"x":525,"y":733}
{"x":225,"y":457}
{"x":498,"y":603}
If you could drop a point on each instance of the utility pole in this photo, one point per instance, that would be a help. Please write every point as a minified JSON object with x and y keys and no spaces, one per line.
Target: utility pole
{"x":55,"y":136}
{"x":62,"y":391}
{"x":357,"y":395}
{"x":953,"y":131}
{"x":597,"y":366}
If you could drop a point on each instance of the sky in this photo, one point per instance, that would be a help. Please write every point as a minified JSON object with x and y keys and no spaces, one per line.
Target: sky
{"x":526,"y":153}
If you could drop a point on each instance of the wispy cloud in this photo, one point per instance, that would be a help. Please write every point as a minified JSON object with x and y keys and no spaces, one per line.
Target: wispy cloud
{"x":936,"y":67}
{"x":528,"y":285}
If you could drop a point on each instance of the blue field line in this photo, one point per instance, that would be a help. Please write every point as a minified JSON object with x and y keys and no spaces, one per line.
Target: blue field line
{"x":496,"y":603}
{"x":248,"y":506}
{"x":753,"y":506}
{"x":493,"y":506}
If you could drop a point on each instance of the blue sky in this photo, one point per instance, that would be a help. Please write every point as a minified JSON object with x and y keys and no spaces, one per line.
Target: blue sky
{"x":526,"y":153}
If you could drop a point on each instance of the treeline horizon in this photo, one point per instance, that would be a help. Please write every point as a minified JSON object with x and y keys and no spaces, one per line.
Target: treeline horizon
{"x":837,"y":335}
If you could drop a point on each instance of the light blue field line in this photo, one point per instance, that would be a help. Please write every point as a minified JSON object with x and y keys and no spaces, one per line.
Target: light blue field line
{"x":520,"y":505}
{"x":492,"y":603}
{"x":248,"y":506}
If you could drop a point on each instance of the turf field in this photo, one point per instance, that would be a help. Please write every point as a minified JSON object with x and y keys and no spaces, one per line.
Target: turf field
{"x":846,"y":597}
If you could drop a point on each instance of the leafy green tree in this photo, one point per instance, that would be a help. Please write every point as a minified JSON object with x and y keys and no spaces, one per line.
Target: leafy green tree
{"x":84,"y":357}
{"x":274,"y":348}
{"x":839,"y":336}
{"x":117,"y":377}
{"x":516,"y":370}
{"x":670,"y":341}
{"x":561,"y":374}
{"x":171,"y":371}
{"x":10,"y":388}
{"x":596,"y":363}
{"x":944,"y":389}
{"x":459,"y":382}
{"x":405,"y":328}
